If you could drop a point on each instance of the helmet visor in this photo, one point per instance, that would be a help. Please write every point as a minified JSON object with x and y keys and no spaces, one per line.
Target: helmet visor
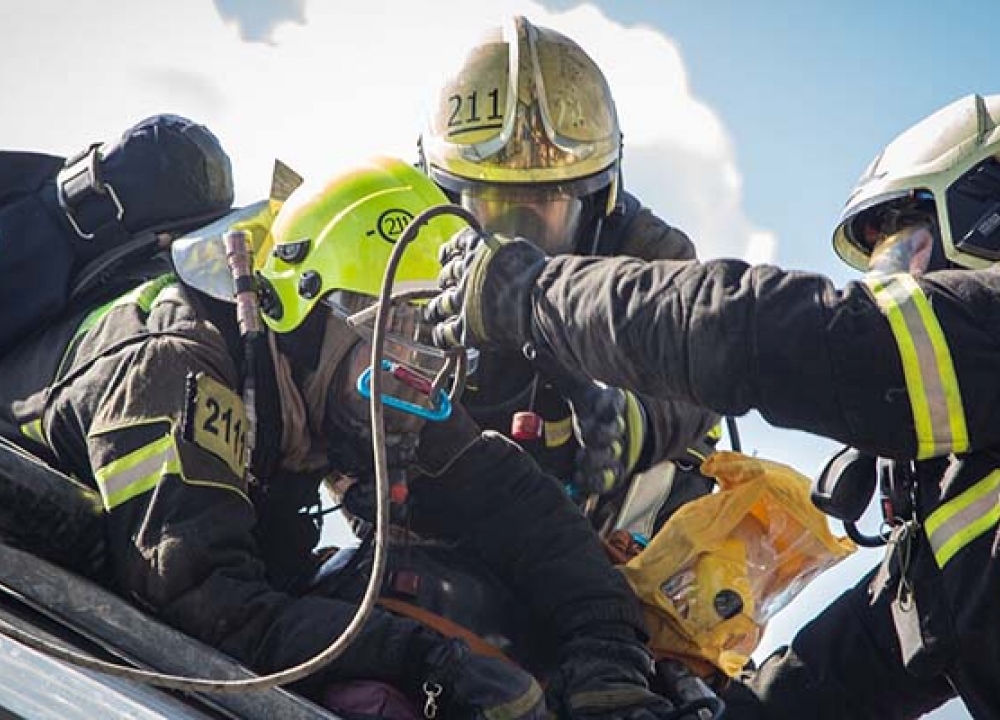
{"x":547,"y":216}
{"x":559,"y":217}
{"x":898,"y":236}
{"x":408,"y":336}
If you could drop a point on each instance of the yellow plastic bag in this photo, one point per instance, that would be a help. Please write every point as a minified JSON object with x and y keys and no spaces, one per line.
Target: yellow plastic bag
{"x":725,"y":563}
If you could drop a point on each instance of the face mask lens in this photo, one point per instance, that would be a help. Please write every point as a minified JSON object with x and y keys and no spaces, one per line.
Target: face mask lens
{"x":408,"y":337}
{"x":549,"y":218}
{"x":408,"y":342}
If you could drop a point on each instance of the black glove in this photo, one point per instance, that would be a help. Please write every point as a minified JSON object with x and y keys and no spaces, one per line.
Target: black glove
{"x":610,"y":426}
{"x":442,"y":443}
{"x":600,"y":679}
{"x":460,"y":684}
{"x":486,"y":286}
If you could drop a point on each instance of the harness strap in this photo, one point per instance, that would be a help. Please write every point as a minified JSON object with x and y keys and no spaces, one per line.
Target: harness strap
{"x":444,"y":626}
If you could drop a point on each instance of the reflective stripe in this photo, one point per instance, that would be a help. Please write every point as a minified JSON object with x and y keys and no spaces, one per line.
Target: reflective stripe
{"x":145,"y":296}
{"x":931,"y":384}
{"x":647,"y":493}
{"x":558,"y":432}
{"x":635,"y":426}
{"x":137,"y":472}
{"x":526,"y":705}
{"x":697,"y":453}
{"x":963,"y":518}
{"x":34,"y":431}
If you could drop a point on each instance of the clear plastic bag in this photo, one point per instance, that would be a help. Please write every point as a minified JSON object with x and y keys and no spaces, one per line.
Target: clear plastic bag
{"x":725,"y":563}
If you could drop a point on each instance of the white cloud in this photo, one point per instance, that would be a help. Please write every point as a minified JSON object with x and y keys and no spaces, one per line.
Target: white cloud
{"x":350,"y":81}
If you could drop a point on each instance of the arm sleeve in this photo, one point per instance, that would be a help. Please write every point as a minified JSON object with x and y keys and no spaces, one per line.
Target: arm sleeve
{"x":842,"y":664}
{"x":519,"y":520}
{"x":645,"y":235}
{"x":181,"y":530}
{"x":673,"y":424}
{"x":849,"y":364}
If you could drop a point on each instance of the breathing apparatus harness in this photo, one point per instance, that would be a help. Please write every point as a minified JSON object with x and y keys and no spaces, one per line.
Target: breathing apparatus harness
{"x":370,"y":384}
{"x":846,"y":485}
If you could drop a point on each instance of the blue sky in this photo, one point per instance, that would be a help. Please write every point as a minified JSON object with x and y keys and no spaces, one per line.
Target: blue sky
{"x":745,"y":123}
{"x":810,"y":91}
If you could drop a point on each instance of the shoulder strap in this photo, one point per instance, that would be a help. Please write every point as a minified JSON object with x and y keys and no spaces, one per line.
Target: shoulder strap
{"x":24,"y":172}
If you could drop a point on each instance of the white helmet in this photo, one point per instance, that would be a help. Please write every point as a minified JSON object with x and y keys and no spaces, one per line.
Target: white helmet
{"x":946,"y":168}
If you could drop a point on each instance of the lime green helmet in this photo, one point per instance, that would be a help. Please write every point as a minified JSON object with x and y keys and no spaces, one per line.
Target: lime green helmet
{"x":336,"y":236}
{"x":947,"y":168}
{"x":525,"y":135}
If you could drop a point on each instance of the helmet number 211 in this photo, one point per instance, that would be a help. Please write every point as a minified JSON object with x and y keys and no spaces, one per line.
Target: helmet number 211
{"x":465,"y":109}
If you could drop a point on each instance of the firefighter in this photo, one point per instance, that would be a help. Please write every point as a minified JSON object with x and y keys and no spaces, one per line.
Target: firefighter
{"x":899,"y":365}
{"x":525,"y":135}
{"x":143,"y":397}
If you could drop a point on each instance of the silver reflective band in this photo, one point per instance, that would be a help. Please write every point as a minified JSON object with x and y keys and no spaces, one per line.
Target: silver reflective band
{"x":935,"y":397}
{"x":137,"y":472}
{"x":964,"y":518}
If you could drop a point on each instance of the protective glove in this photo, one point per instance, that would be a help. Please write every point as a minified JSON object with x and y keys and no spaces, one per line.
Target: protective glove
{"x":486,"y":286}
{"x":440,"y":445}
{"x":610,"y":426}
{"x":443,"y":443}
{"x":600,"y":679}
{"x":460,"y":684}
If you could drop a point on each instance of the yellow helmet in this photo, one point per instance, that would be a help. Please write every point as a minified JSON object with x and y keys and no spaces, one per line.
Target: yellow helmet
{"x":335,"y":236}
{"x":525,"y":135}
{"x":946,"y":167}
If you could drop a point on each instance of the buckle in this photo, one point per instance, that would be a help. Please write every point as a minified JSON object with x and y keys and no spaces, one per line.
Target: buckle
{"x":79,"y":177}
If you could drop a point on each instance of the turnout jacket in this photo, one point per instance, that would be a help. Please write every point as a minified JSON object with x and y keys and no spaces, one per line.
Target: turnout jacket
{"x":897,"y":367}
{"x":504,"y":383}
{"x":139,"y":398}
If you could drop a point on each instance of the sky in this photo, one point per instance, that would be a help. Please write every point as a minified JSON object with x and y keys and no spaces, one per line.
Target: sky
{"x":746,"y":124}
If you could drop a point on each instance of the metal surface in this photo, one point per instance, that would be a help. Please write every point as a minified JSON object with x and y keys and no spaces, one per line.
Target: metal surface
{"x":33,"y":685}
{"x":89,"y":611}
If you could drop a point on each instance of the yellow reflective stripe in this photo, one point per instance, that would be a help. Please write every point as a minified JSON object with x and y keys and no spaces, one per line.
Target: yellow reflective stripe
{"x":958,"y":432}
{"x":635,"y":425}
{"x":145,"y":296}
{"x":138,"y":472}
{"x":34,"y":431}
{"x":962,"y":519}
{"x":700,"y":455}
{"x":558,"y":432}
{"x":931,"y":383}
{"x":93,"y":316}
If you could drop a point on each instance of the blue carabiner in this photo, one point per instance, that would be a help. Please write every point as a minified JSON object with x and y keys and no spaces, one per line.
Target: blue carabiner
{"x":640,"y":539}
{"x":441,"y":406}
